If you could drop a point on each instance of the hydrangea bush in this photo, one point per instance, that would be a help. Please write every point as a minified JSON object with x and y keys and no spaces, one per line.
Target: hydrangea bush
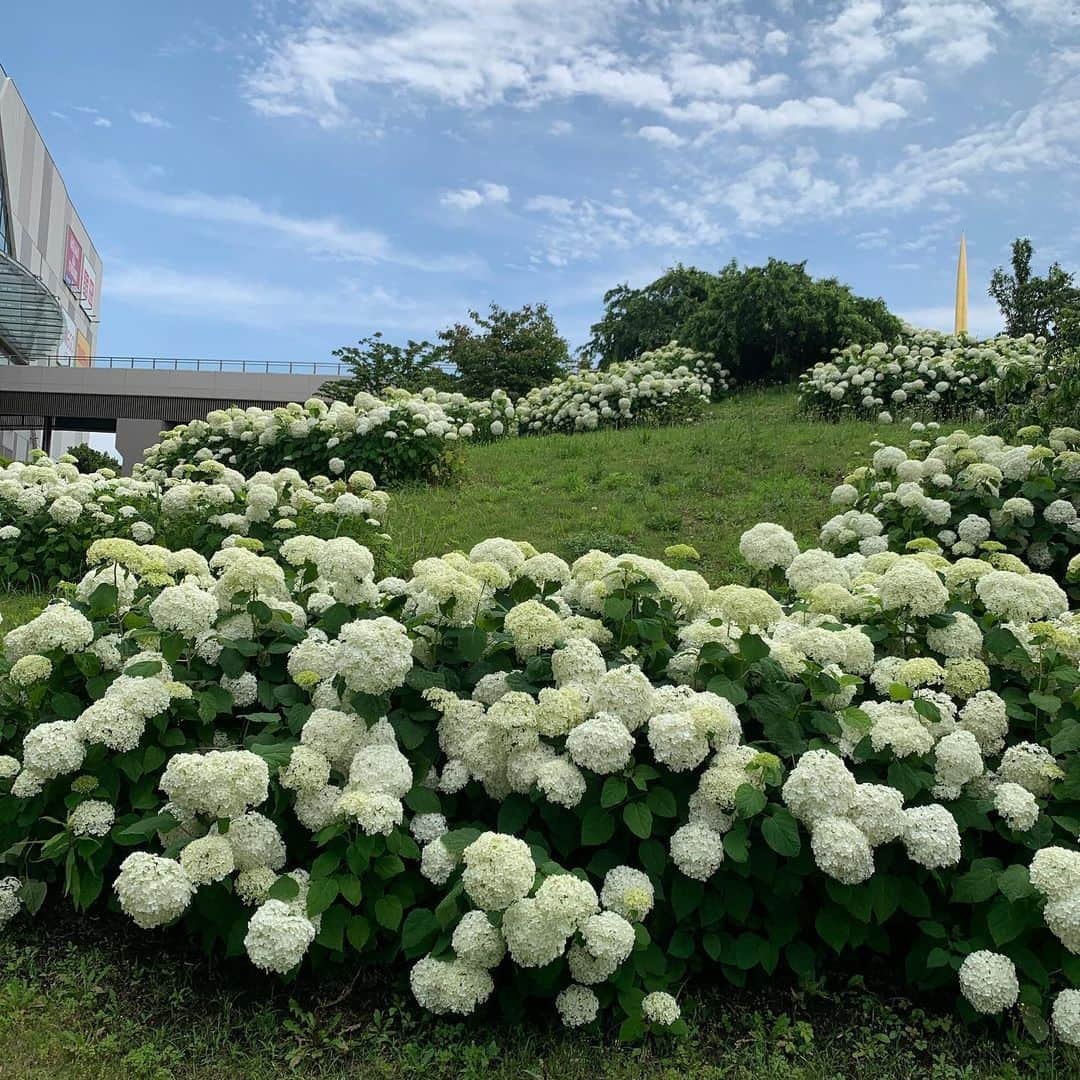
{"x":968,"y":496}
{"x":575,"y":783}
{"x":400,"y":437}
{"x":51,"y":514}
{"x":666,"y":385}
{"x":927,"y":373}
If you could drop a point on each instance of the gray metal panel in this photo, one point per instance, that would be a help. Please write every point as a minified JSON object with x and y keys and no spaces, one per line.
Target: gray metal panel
{"x":46,"y":207}
{"x":26,"y":171}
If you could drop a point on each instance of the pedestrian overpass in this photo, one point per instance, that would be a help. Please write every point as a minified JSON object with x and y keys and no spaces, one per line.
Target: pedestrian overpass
{"x":138,"y":397}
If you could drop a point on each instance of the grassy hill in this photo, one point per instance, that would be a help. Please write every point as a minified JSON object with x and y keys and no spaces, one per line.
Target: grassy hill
{"x":754,"y":458}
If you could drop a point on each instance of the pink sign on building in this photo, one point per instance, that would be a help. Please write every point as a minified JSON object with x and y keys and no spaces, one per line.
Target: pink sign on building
{"x":73,"y":262}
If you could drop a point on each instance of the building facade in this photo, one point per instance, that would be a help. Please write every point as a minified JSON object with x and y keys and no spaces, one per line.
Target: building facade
{"x":50,"y":271}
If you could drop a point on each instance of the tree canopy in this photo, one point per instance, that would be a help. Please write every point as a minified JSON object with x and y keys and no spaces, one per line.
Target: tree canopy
{"x":1044,"y":306}
{"x":375,"y":364}
{"x":638,"y":320}
{"x":505,"y":350}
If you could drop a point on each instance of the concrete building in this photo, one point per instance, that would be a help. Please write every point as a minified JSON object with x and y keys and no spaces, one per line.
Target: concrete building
{"x":50,"y":271}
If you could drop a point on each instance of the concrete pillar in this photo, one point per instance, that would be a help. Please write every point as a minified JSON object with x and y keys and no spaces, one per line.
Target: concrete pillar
{"x":134,"y":436}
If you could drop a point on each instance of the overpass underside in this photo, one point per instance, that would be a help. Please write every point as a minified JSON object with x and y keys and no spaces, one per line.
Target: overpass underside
{"x":135,"y":403}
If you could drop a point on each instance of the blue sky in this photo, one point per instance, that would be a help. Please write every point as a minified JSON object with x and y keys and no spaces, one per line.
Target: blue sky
{"x":273,"y":179}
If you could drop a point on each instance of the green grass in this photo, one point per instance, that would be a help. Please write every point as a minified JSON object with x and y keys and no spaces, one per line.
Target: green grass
{"x":753,"y":458}
{"x":72,"y":1008}
{"x":17,"y":608}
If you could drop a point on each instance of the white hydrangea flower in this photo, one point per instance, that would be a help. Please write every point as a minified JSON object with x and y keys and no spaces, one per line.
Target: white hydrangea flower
{"x":697,"y":851}
{"x":499,"y":869}
{"x":1027,"y":764}
{"x":442,"y":986}
{"x":428,"y":827}
{"x":10,"y":903}
{"x":374,"y":655}
{"x":766,"y":546}
{"x":660,"y":1008}
{"x":185,"y":609}
{"x":676,"y":742}
{"x":152,"y":890}
{"x":437,"y":862}
{"x":628,"y":892}
{"x":957,"y":761}
{"x":577,"y":1005}
{"x":278,"y":937}
{"x":1062,"y":916}
{"x":94,"y":817}
{"x":819,"y":786}
{"x":625,"y":692}
{"x":255,"y":841}
{"x":53,"y":749}
{"x":477,"y":942}
{"x":1016,"y":805}
{"x":30,"y":669}
{"x":1066,"y":1017}
{"x":566,"y":900}
{"x":878,"y":811}
{"x":561,"y":782}
{"x":208,"y":858}
{"x":601,"y":744}
{"x":988,"y":981}
{"x":931,"y":837}
{"x":532,"y":939}
{"x":842,"y":850}
{"x":1055,"y":872}
{"x":218,"y":784}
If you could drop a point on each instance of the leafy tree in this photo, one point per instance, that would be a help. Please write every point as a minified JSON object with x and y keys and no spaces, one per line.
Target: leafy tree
{"x":376,"y":364}
{"x":771,"y":322}
{"x":637,"y":320}
{"x":505,"y":350}
{"x":90,"y":460}
{"x":1031,"y":304}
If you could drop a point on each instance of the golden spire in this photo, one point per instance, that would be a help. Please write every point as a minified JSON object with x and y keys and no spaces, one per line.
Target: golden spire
{"x":961,"y":291}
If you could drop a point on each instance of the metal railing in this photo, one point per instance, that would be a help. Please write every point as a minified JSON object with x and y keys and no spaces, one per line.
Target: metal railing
{"x":329,"y":368}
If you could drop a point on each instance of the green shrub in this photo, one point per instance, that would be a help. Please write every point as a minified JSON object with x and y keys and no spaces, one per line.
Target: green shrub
{"x":970,"y":496}
{"x":50,"y":513}
{"x":927,"y":374}
{"x":486,"y":755}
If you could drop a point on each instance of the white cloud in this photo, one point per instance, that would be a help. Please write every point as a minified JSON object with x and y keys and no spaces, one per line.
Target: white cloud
{"x":951,"y":33}
{"x":102,"y":121}
{"x":550,"y":204}
{"x":259,"y":304}
{"x":852,"y":41}
{"x":484,"y":194}
{"x":864,"y":113}
{"x":776,"y":41}
{"x":148,"y":119}
{"x":873,"y":239}
{"x":695,"y":78}
{"x":324,"y":237}
{"x":561,"y":127}
{"x":662,"y":136}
